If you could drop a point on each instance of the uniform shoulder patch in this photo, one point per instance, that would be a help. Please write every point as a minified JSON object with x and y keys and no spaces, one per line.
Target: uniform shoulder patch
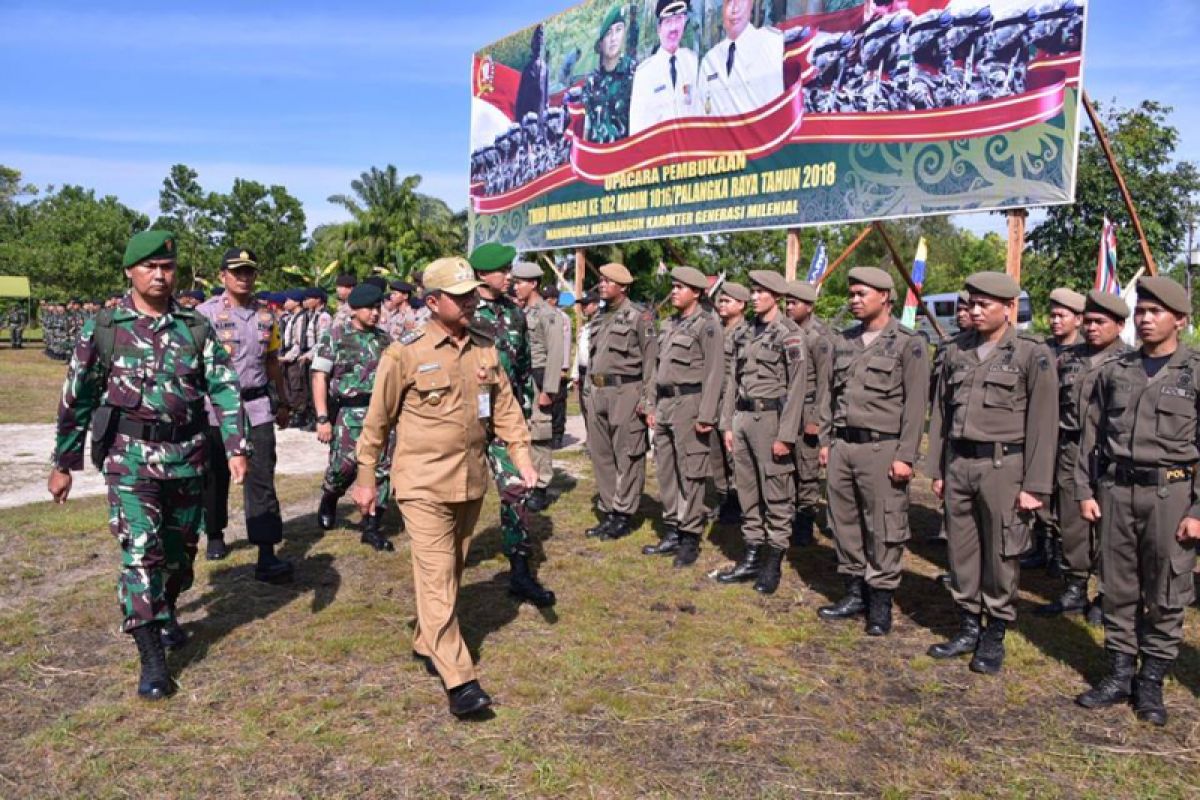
{"x":412,"y":336}
{"x":918,"y":350}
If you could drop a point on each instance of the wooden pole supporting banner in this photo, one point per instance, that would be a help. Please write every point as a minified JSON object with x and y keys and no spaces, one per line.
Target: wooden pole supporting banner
{"x":862,"y":237}
{"x":1147,"y":256}
{"x":1016,"y":242}
{"x":904,"y":273}
{"x":792,"y":259}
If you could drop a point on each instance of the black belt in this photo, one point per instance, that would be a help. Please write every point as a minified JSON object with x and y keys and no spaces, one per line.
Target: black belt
{"x":864,"y":435}
{"x":162,"y":433}
{"x":965,"y":448}
{"x":1069,"y":436}
{"x":1129,"y":475}
{"x":679,"y":390}
{"x":358,"y":401}
{"x":601,"y":381}
{"x":255,"y":393}
{"x":746,"y":404}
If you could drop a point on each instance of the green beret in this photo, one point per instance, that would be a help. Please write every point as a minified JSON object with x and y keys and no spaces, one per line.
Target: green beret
{"x":1069,"y":299}
{"x":804,"y":292}
{"x":1166,"y":291}
{"x":770,"y":280}
{"x":149,"y":244}
{"x":690,"y":277}
{"x":994,"y":284}
{"x":1107,"y":303}
{"x":615,"y":14}
{"x":736,"y":291}
{"x":492,"y":256}
{"x":874,"y":277}
{"x":365,"y":295}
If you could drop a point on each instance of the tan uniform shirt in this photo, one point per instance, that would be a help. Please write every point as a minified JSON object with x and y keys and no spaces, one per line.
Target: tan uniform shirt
{"x":883,"y":386}
{"x":1009,"y":397}
{"x":692,"y":351}
{"x":443,"y":398}
{"x":770,"y":364}
{"x":622,"y":342}
{"x":546,"y":345}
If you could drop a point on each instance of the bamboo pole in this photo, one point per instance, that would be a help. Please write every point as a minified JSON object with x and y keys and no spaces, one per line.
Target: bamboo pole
{"x":792,"y":258}
{"x":862,"y":237}
{"x":904,"y":273}
{"x":1147,"y":256}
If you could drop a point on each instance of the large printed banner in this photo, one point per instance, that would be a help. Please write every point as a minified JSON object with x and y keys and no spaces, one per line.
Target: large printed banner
{"x":653,"y":118}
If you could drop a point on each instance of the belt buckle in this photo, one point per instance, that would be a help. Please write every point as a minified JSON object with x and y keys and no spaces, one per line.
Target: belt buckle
{"x":1176,"y":474}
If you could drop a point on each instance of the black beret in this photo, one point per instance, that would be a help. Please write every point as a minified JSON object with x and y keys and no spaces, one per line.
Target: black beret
{"x":349,"y":281}
{"x":401,"y":286}
{"x":314,"y":293}
{"x":365,"y":295}
{"x":377,"y":280}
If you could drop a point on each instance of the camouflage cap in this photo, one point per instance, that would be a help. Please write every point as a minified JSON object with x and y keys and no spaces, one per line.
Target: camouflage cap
{"x":1166,"y":291}
{"x":736,"y":291}
{"x":690,"y":277}
{"x":994,"y":284}
{"x":617,"y":273}
{"x":1106,"y":303}
{"x":365,"y":295}
{"x":452,"y":275}
{"x":492,"y":256}
{"x":874,"y":277}
{"x":770,"y":280}
{"x":1069,"y":299}
{"x":147,"y":245}
{"x":804,"y":292}
{"x":615,"y":14}
{"x":527,"y":271}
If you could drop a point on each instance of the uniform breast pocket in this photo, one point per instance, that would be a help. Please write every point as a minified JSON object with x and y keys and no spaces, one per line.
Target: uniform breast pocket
{"x":432,"y":387}
{"x":1000,"y":391}
{"x":621,"y":339}
{"x":880,"y":374}
{"x":124,"y":389}
{"x":683,"y":350}
{"x":1176,"y":418}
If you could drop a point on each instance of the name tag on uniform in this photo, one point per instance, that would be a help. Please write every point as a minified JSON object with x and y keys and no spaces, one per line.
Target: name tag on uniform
{"x":485,"y":405}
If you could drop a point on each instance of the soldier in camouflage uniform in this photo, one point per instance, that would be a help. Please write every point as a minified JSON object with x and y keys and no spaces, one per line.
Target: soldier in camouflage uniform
{"x":139,"y":376}
{"x":74,"y":325}
{"x":16,"y":322}
{"x":607,"y":91}
{"x":343,"y":378}
{"x":500,"y":318}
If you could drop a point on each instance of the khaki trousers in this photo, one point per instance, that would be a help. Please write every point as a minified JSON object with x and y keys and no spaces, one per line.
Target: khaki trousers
{"x":617,"y":443}
{"x":808,"y":476}
{"x":440,"y":534}
{"x":764,"y":483}
{"x":682,"y":458}
{"x":1079,"y":537}
{"x":541,"y":425}
{"x":868,"y":513}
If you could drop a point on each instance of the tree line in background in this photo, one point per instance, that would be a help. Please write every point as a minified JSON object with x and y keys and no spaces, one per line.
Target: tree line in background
{"x":69,"y":242}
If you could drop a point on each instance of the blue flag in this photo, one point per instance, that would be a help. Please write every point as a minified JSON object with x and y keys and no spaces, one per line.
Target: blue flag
{"x":820,"y":263}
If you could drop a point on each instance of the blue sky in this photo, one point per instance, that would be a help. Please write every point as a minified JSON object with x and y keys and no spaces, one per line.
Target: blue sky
{"x":309,"y":94}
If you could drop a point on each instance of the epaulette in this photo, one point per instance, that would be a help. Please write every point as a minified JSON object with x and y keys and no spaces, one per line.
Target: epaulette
{"x":1031,"y":337}
{"x":411,"y":336}
{"x":482,"y":334}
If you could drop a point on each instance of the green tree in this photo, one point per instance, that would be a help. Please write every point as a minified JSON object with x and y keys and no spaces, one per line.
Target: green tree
{"x":188,"y":211}
{"x":268,"y":221}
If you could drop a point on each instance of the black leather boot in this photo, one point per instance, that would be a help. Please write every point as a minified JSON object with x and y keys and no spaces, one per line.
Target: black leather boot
{"x":1115,"y":687}
{"x":802,"y":530}
{"x":524,"y":586}
{"x":772,"y":568}
{"x":745,"y":570}
{"x":1095,"y":612}
{"x":270,"y":568}
{"x":731,"y":510}
{"x":537,"y":501}
{"x":879,"y":612}
{"x":619,"y":529}
{"x":989,"y":654}
{"x":1147,"y":691}
{"x":689,"y":550}
{"x":173,"y":635}
{"x":1073,"y":600}
{"x":154,"y":682}
{"x":666,"y":546}
{"x":1055,"y":566}
{"x":468,"y":699}
{"x":963,"y":642}
{"x":598,"y":531}
{"x":216,"y":549}
{"x":327,"y":511}
{"x":373,"y":536}
{"x":852,"y":604}
{"x":1036,"y":558}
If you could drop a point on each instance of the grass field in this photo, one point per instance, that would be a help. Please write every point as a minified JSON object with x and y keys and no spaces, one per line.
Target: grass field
{"x":643,"y":682}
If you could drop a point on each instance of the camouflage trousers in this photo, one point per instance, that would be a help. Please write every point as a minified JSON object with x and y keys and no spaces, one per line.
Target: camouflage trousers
{"x":157,"y":523}
{"x":514,"y":529}
{"x":343,"y":460}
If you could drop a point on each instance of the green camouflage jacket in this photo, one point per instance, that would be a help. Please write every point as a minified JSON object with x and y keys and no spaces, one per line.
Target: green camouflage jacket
{"x":606,"y":102}
{"x":504,"y":322}
{"x":350,"y":357}
{"x":16,"y":318}
{"x":158,"y":375}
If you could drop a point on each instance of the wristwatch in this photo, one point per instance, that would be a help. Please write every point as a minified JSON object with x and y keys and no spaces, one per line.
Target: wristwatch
{"x":323,"y":420}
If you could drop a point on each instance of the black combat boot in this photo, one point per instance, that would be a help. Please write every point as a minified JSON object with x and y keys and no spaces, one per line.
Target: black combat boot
{"x":666,"y":546}
{"x":989,"y":654}
{"x":731,"y":510}
{"x":1115,"y":687}
{"x":1147,"y":691}
{"x":524,"y":586}
{"x":852,"y":604}
{"x":537,"y":501}
{"x":173,"y":635}
{"x":327,"y":511}
{"x":373,"y":535}
{"x":468,"y":699}
{"x":745,"y":570}
{"x":963,"y":642}
{"x":154,"y":682}
{"x":621,"y":527}
{"x":689,"y":550}
{"x":1073,"y":600}
{"x":879,"y":612}
{"x":216,"y":549}
{"x":1037,"y":557}
{"x":1095,"y":612}
{"x":802,"y":529}
{"x":271,"y":568}
{"x":768,"y":576}
{"x":598,"y":531}
{"x":1055,"y":566}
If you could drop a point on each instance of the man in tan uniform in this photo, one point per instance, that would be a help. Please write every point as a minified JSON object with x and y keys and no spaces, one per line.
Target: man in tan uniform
{"x":1078,"y":366}
{"x":621,"y":364}
{"x":760,"y":420}
{"x":443,"y":390}
{"x":801,"y":298}
{"x":1143,"y":418}
{"x":731,"y":308}
{"x":880,"y":381}
{"x":546,"y":348}
{"x":688,"y":385}
{"x":992,"y":437}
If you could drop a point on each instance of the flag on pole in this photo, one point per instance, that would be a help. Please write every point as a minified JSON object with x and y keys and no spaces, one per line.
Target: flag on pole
{"x":1106,"y":262}
{"x":1129,"y":332}
{"x":909,"y":318}
{"x":820,"y":263}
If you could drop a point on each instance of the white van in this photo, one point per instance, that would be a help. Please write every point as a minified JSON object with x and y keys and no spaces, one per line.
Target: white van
{"x":942,"y":306}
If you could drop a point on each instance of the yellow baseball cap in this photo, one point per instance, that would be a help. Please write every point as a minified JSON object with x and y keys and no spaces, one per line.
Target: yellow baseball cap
{"x":452,"y":275}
